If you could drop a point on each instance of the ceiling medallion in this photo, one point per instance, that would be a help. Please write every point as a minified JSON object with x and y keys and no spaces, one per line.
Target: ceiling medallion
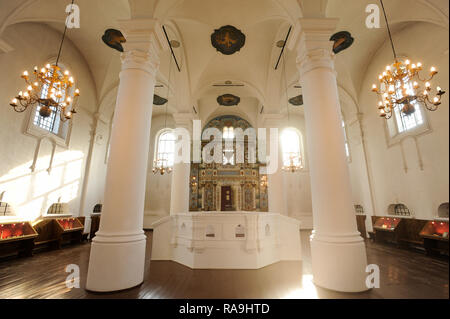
{"x":342,"y":40}
{"x":157,"y":100}
{"x":228,"y":100}
{"x":114,"y":39}
{"x":227,"y":39}
{"x":297,"y":100}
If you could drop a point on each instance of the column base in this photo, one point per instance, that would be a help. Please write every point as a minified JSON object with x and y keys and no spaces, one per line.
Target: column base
{"x":116,"y":262}
{"x":339,"y":262}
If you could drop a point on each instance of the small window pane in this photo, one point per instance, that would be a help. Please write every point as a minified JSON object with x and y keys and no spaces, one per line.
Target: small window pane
{"x":166,"y":148}
{"x":290,"y":144}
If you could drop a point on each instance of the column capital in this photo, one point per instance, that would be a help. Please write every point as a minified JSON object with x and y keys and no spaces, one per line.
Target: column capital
{"x":311,"y":39}
{"x":145,"y":41}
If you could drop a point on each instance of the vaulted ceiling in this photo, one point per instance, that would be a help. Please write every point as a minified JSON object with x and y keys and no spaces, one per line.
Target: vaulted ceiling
{"x":191,"y":22}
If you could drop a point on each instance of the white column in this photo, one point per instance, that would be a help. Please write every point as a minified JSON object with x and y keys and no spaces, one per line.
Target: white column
{"x":337,"y":249}
{"x":275,"y":181}
{"x":179,"y":198}
{"x":118,"y":250}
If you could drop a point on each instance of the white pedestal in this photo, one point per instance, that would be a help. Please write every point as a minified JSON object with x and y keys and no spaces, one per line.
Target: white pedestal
{"x":215,"y":241}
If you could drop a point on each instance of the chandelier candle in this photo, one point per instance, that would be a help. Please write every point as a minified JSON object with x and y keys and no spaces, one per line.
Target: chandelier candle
{"x":399,"y":85}
{"x":51,"y":89}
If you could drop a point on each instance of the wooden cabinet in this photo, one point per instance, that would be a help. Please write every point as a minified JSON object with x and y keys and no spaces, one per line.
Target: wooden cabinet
{"x":386,"y":229}
{"x":361,"y":223}
{"x":95,"y":224}
{"x":435,"y":237}
{"x":69,"y":230}
{"x":53,"y":232}
{"x":17,"y":238}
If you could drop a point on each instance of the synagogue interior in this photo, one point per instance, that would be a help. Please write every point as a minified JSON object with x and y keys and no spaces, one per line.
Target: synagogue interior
{"x":196,"y":149}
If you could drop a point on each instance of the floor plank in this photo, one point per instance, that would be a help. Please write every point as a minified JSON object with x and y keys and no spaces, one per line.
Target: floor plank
{"x":404,"y":274}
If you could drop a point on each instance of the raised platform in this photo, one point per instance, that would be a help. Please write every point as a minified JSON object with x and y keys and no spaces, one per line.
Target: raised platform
{"x":226,"y":240}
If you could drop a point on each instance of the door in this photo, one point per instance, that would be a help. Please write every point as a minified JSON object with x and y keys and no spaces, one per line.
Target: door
{"x":226,"y":199}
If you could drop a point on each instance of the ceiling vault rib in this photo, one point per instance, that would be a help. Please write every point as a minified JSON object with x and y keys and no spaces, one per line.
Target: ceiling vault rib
{"x":282,"y":49}
{"x":171,"y":49}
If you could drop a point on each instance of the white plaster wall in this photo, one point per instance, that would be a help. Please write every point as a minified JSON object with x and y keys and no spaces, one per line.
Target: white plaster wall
{"x":297,"y":185}
{"x":32,"y":193}
{"x":396,"y":177}
{"x":157,"y":194}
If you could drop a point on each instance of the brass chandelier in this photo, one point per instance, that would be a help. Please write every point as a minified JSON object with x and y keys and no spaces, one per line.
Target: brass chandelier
{"x":161,"y":166}
{"x":294,"y":163}
{"x":49,"y":87}
{"x":401,"y":85}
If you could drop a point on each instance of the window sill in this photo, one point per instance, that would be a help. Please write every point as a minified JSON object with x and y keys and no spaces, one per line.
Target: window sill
{"x":417,"y":131}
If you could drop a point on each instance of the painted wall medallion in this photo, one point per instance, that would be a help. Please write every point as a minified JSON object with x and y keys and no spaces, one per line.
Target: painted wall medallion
{"x":114,"y":39}
{"x":297,"y":100}
{"x":157,"y":100}
{"x":342,"y":40}
{"x":227,"y":39}
{"x":228,"y":100}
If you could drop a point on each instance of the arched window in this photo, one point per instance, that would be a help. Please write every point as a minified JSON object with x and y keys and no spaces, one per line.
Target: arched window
{"x":359,"y":209}
{"x":401,"y":123}
{"x":52,"y":123}
{"x":398,"y":210}
{"x":228,"y":150}
{"x":291,"y":144}
{"x":165,"y":148}
{"x":443,"y":210}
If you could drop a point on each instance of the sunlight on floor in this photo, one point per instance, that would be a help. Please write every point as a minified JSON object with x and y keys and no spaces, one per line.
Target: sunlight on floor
{"x":308,"y":290}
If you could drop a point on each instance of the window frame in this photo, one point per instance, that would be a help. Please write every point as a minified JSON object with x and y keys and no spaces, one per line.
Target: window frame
{"x":62,"y":138}
{"x":157,"y":142}
{"x":301,"y":146}
{"x":420,"y":129}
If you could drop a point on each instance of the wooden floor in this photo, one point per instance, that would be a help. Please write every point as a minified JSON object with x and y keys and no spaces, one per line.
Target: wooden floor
{"x":404,"y":274}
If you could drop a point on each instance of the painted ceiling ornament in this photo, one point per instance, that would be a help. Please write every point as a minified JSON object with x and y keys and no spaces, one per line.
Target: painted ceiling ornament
{"x":227,"y":39}
{"x":158,"y":100}
{"x":296,"y":100}
{"x":342,"y":40}
{"x":114,"y":39}
{"x":228,"y":100}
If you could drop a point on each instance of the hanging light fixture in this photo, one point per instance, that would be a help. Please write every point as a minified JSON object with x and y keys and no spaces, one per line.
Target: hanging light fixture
{"x":402,"y":86}
{"x":49,"y":87}
{"x":161,"y":165}
{"x":295,"y":159}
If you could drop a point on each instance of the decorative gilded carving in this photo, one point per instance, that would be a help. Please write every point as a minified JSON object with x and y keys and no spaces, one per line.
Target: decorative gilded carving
{"x":227,"y":40}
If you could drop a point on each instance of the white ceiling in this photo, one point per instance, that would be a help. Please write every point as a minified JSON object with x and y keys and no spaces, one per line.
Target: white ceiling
{"x":191,"y":22}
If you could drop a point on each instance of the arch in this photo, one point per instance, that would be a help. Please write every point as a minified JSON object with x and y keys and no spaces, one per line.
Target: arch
{"x":221,"y":121}
{"x":443,"y":210}
{"x":292,"y":145}
{"x":398,"y":210}
{"x":164,"y":147}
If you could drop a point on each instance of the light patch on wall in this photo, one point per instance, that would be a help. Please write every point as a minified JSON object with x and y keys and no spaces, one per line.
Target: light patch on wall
{"x":31,"y":194}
